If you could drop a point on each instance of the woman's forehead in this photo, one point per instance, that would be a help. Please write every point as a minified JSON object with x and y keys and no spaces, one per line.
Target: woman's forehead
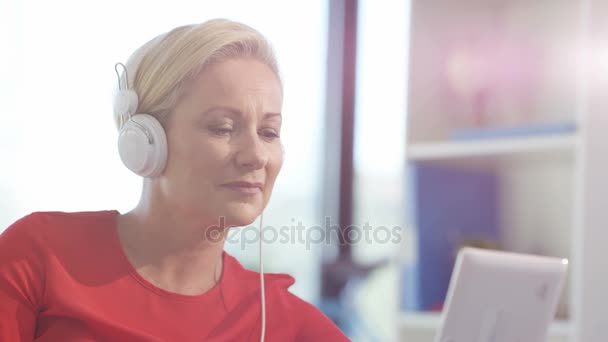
{"x":233,"y":76}
{"x":238,"y":84}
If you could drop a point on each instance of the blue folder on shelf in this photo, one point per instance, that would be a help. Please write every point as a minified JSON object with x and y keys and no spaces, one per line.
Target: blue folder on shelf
{"x":446,"y":207}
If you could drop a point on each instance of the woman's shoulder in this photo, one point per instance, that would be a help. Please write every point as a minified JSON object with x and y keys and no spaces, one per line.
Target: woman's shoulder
{"x":43,"y":217}
{"x":65,"y":216}
{"x":310,"y":323}
{"x":45,"y":226}
{"x":277,"y":283}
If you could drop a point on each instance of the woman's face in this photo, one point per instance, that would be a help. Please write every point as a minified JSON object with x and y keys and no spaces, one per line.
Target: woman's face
{"x":225,"y":130}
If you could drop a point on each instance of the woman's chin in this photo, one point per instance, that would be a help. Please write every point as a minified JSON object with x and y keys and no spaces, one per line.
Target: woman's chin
{"x":241,"y":215}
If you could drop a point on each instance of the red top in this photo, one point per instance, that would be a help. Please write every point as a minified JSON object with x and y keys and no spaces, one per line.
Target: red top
{"x":65,"y":277}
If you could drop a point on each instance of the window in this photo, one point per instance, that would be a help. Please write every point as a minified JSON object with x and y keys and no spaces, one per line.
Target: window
{"x":379,"y":159}
{"x":57,"y":135}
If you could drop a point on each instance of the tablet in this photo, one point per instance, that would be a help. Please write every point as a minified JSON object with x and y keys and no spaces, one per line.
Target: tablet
{"x":497,"y":296}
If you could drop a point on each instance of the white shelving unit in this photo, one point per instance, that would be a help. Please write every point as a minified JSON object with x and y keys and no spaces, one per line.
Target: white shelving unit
{"x":553,"y":189}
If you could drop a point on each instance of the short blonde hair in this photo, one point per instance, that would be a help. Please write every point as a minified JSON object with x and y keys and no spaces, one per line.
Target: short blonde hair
{"x":160,"y":69}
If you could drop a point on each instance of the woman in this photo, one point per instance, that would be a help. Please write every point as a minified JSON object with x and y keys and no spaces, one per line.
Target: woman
{"x":209,"y":150}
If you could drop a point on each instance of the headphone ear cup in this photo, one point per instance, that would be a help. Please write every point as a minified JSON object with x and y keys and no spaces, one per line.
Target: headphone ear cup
{"x":142,"y":145}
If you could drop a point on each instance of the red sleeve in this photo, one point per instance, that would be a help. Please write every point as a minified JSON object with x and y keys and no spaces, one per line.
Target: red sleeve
{"x":313,"y":325}
{"x":21,"y":281}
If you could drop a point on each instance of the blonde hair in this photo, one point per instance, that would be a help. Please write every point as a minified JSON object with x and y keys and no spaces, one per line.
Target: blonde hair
{"x":160,"y":69}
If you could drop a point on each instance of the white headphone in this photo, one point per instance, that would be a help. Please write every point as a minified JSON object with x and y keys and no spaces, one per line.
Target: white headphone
{"x":142,"y":142}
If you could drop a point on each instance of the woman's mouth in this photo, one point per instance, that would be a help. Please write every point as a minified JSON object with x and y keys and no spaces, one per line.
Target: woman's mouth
{"x":245,"y":188}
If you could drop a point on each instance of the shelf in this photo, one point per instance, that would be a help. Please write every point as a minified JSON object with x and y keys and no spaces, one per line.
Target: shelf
{"x":489,"y":147}
{"x":432,"y":321}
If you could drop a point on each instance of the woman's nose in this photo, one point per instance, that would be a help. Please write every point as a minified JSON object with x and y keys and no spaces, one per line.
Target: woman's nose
{"x":251,"y":154}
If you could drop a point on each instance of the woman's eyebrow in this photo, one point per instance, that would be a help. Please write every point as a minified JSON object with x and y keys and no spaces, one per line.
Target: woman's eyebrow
{"x":269,"y":115}
{"x":237,"y":112}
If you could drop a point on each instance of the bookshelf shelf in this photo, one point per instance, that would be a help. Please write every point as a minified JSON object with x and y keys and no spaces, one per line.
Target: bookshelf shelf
{"x":490,"y":147}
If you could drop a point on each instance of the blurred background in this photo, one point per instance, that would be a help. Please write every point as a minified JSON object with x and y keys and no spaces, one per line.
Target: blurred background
{"x":411,"y":129}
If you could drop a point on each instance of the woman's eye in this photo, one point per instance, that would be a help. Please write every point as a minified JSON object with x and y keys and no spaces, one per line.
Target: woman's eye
{"x":221,"y":130}
{"x":270,"y":134}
